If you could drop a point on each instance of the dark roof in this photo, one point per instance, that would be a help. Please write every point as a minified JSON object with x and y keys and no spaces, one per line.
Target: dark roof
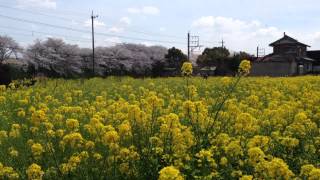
{"x":287,"y":40}
{"x":283,"y":58}
{"x":278,"y":58}
{"x":314,"y":55}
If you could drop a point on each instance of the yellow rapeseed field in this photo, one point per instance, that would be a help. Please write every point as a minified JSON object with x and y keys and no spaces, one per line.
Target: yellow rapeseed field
{"x":167,"y":128}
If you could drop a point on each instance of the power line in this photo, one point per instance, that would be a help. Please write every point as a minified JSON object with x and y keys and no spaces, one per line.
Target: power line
{"x":78,"y":13}
{"x":44,"y":33}
{"x":67,"y":19}
{"x":31,"y":37}
{"x":44,"y":24}
{"x":153,"y":34}
{"x":36,"y":13}
{"x":65,"y":12}
{"x":19,"y":34}
{"x":68,"y":38}
{"x":85,"y":31}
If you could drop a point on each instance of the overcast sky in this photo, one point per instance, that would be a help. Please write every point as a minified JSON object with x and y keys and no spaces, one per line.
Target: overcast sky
{"x":243,"y":24}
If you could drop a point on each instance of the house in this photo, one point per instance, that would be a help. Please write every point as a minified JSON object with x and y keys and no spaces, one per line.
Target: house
{"x":289,"y":58}
{"x":316,"y":56}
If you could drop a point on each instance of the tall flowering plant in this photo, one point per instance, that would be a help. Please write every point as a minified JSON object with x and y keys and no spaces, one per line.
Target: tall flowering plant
{"x":243,"y":70}
{"x":186,"y":71}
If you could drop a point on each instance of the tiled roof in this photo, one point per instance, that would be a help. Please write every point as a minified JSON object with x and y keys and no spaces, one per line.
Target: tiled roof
{"x":314,"y":55}
{"x":283,"y":58}
{"x":287,"y":40}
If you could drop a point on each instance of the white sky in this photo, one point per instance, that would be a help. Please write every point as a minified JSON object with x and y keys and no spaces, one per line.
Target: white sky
{"x":243,"y":24}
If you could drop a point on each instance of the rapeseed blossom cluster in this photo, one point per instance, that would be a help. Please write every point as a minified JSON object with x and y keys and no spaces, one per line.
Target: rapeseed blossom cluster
{"x":268,"y":128}
{"x":170,"y":173}
{"x":244,"y":67}
{"x":187,"y":69}
{"x":34,"y":172}
{"x":8,"y":172}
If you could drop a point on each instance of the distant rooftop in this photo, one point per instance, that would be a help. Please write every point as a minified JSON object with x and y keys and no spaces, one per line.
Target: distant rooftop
{"x":287,"y":40}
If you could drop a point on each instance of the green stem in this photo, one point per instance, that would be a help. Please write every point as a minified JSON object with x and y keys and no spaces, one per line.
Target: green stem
{"x":232,"y":89}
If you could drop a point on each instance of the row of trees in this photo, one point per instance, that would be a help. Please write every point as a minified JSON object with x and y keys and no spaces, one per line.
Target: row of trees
{"x":55,"y":58}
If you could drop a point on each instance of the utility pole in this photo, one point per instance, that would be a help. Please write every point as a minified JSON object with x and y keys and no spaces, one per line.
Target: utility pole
{"x":188,"y":46}
{"x":93,"y":60}
{"x":222,"y":43}
{"x":193,"y":43}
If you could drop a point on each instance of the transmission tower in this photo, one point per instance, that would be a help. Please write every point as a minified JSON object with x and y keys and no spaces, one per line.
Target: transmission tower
{"x":261,"y":52}
{"x":193,"y":44}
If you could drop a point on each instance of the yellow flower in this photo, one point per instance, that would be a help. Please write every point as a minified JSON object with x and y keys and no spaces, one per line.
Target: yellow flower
{"x":12,"y":85}
{"x":30,"y":142}
{"x":124,"y":168}
{"x":110,"y":137}
{"x":21,"y":113}
{"x":48,"y":99}
{"x":236,"y":173}
{"x":59,"y":132}
{"x":314,"y":174}
{"x":255,"y":155}
{"x":34,"y":172}
{"x":233,"y":149}
{"x":206,"y":156}
{"x":58,"y":117}
{"x":226,"y":81}
{"x":73,"y":163}
{"x":244,"y":67}
{"x":13,"y":152}
{"x":84,"y":155}
{"x":245,"y":123}
{"x":223,"y":161}
{"x":289,"y":142}
{"x":37,"y":149}
{"x":3,"y":136}
{"x":246,"y":177}
{"x":2,"y":99}
{"x":306,"y":170}
{"x":125,"y":129}
{"x":89,"y":145}
{"x":32,"y":109}
{"x":64,"y":168}
{"x":124,"y":153}
{"x":38,"y":117}
{"x":186,"y":69}
{"x":74,"y":140}
{"x":276,"y":168}
{"x":72,"y":124}
{"x":259,"y":141}
{"x":99,"y":99}
{"x":170,"y":173}
{"x":97,"y":156}
{"x":15,"y":131}
{"x":51,"y":133}
{"x":8,"y":172}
